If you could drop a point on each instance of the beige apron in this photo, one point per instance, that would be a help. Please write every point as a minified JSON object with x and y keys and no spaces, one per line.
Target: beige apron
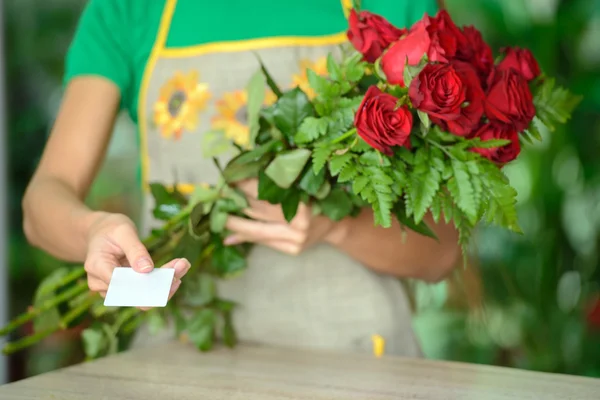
{"x":321,"y":298}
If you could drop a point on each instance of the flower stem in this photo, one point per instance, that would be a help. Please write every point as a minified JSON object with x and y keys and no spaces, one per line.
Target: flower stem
{"x":70,"y":277}
{"x":28,"y":341}
{"x":439,"y":146}
{"x":344,"y":136}
{"x":45,"y":306}
{"x":77,"y":311}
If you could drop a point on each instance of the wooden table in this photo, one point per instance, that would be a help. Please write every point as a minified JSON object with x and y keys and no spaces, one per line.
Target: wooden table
{"x":178,"y":372}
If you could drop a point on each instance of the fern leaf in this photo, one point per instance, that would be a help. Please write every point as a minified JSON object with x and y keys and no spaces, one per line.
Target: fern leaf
{"x":348,"y":172}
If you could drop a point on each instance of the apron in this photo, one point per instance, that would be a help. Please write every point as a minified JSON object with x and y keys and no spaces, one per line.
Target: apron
{"x":321,"y":298}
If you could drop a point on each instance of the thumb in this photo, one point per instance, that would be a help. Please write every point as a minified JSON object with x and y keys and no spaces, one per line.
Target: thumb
{"x":135,"y":251}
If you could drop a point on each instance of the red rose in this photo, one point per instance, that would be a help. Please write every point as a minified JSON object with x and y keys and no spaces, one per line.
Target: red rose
{"x":371,"y":34}
{"x":412,"y":46}
{"x":446,"y":37}
{"x":438,"y":37}
{"x":499,"y":155}
{"x":381,"y":123}
{"x":476,"y":52}
{"x":522,"y":61}
{"x":509,"y":99}
{"x":450,"y":94}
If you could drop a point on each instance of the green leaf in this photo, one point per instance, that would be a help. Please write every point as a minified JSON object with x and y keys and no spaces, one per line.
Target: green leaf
{"x":323,"y":191}
{"x":94,"y":341}
{"x":535,"y":129}
{"x":256,"y":95}
{"x":286,"y":167}
{"x":355,"y":69}
{"x":338,"y":162}
{"x":436,"y":208}
{"x":461,"y":189}
{"x":320,"y":156}
{"x":424,"y":184}
{"x":218,"y":219}
{"x":290,"y":110}
{"x":425,"y":121}
{"x":411,"y":71}
{"x":359,"y":184}
{"x":501,"y":199}
{"x":337,"y":205}
{"x":228,"y":261}
{"x":167,"y":204}
{"x":311,"y":182}
{"x":374,"y":158}
{"x":270,"y":82}
{"x":290,"y":204}
{"x":203,"y":194}
{"x":320,"y":84}
{"x":155,"y":320}
{"x":201,"y":328}
{"x":421,"y":228}
{"x":215,"y":143}
{"x":269,"y":190}
{"x":333,"y":68}
{"x":554,"y":104}
{"x":198,"y":290}
{"x":199,"y":222}
{"x":234,"y":199}
{"x":258,"y":153}
{"x":348,"y":173}
{"x":488,"y":144}
{"x":311,"y":129}
{"x":237,"y":170}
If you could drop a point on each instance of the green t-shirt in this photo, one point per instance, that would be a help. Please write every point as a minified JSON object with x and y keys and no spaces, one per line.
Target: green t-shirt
{"x":114,"y":38}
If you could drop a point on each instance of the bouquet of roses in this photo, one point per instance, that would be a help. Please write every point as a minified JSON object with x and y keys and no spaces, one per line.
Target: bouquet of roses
{"x":407,"y":122}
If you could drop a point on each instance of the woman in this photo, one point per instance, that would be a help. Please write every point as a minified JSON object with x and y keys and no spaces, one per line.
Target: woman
{"x":179,"y":69}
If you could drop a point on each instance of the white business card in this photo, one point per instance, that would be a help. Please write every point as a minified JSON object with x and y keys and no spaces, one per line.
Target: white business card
{"x":129,"y":288}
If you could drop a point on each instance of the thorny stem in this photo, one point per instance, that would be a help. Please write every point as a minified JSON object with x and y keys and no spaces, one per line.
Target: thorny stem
{"x":28,"y":341}
{"x":79,"y":288}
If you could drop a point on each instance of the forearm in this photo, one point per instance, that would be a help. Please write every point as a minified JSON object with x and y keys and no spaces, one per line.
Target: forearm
{"x":397,"y":252}
{"x":56,"y":220}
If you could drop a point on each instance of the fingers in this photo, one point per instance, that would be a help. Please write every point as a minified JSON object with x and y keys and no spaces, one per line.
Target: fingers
{"x":99,"y":268}
{"x":181,"y":266}
{"x":245,"y":230}
{"x":136,"y":253}
{"x":249,"y":187}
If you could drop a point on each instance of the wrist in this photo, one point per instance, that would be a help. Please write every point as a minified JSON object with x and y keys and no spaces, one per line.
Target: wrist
{"x":85,"y":220}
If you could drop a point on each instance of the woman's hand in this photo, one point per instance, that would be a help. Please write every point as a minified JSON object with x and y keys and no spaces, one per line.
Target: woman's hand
{"x":269,"y":227}
{"x":113,"y":242}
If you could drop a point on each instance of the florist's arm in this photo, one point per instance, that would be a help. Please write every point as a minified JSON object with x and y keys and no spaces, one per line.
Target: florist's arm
{"x":392,"y":251}
{"x":389,"y":251}
{"x":55,"y":216}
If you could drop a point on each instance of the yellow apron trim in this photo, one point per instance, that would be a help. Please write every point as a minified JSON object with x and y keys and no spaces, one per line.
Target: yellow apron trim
{"x":346,"y":6}
{"x":252,"y":44}
{"x":161,"y":38}
{"x":159,"y":50}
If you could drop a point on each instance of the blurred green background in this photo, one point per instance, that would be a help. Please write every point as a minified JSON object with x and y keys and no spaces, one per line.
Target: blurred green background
{"x":525,"y":301}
